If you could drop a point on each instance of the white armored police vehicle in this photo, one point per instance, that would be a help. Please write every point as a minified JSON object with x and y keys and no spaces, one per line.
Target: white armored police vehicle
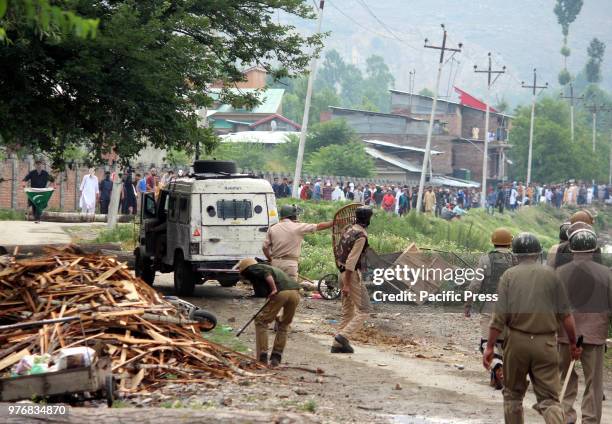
{"x":200,"y":226}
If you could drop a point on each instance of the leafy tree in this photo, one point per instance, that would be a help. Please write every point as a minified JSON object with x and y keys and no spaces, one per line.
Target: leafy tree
{"x":552,"y":146}
{"x":346,"y":159}
{"x":177,"y":157}
{"x":567,"y":11}
{"x":293,"y":100}
{"x":46,"y":19}
{"x":144,"y":76}
{"x":596,"y":51}
{"x":377,"y":84}
{"x":332,"y":70}
{"x":502,"y":105}
{"x":426,"y":92}
{"x":323,"y":134}
{"x":246,"y":155}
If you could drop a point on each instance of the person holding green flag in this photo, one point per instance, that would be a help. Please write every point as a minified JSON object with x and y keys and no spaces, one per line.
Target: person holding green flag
{"x":38,"y":193}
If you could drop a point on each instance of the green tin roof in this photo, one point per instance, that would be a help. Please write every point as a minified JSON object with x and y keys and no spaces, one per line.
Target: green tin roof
{"x":271,"y":99}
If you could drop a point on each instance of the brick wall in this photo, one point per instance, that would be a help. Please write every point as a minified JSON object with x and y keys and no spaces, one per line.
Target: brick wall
{"x":476,"y":118}
{"x":65,"y":197}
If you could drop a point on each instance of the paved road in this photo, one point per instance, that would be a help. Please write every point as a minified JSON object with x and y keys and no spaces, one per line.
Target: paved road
{"x":27,"y":232}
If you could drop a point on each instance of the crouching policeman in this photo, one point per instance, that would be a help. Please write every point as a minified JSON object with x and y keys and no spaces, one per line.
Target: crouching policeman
{"x":531,"y":304}
{"x":282,"y":293}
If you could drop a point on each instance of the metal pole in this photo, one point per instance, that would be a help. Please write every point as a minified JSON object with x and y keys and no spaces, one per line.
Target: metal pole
{"x":529,"y":156}
{"x":305,"y":117}
{"x":534,"y":87}
{"x":594,"y":129}
{"x":428,"y":144}
{"x":485,"y":157}
{"x":572,"y":121}
{"x":610,"y":177}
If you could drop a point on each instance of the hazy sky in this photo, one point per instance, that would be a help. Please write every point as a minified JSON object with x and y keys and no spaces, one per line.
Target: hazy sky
{"x":521,"y":34}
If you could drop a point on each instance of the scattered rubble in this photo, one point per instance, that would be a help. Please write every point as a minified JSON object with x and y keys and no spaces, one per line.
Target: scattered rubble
{"x":149,"y":341}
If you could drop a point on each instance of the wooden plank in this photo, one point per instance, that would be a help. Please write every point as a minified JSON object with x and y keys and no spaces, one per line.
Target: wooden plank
{"x":13,"y":358}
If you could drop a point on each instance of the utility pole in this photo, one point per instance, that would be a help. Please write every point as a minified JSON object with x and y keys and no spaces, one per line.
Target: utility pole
{"x":485,"y":159}
{"x":411,"y":77}
{"x":594,"y":109}
{"x":305,"y":117}
{"x":443,"y":49}
{"x":610,"y":175}
{"x":571,"y":99}
{"x":534,"y":87}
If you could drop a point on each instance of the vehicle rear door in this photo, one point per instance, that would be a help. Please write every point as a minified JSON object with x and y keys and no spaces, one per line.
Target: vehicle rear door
{"x":234,"y":225}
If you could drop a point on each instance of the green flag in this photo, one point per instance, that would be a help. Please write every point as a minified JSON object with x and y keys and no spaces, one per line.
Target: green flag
{"x":39,"y":197}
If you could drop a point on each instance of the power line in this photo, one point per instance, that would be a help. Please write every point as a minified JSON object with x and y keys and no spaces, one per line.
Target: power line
{"x":367,"y":8}
{"x":443,"y":49}
{"x":350,"y":18}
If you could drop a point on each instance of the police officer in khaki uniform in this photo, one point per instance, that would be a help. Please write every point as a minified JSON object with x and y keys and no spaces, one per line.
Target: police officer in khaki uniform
{"x":552,"y":252}
{"x":493,"y":265}
{"x":589,"y":288}
{"x":531,"y":304}
{"x":355,"y":300}
{"x":563,"y":255}
{"x":283,"y":243}
{"x":282,"y":293}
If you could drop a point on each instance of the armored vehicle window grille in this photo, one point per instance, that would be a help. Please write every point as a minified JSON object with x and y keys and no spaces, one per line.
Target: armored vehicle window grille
{"x":234,"y":209}
{"x":172,"y":208}
{"x":184,"y":215}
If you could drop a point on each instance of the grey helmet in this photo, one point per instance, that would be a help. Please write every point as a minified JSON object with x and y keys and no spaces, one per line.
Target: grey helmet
{"x":563,"y":231}
{"x":363,"y":214}
{"x":583,"y":240}
{"x":526,"y":244}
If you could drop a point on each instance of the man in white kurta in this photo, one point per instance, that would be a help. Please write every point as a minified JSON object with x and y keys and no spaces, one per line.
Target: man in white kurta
{"x":89,"y":192}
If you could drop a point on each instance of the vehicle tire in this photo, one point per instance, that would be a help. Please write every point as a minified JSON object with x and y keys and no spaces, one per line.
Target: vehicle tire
{"x":110,"y":389}
{"x":214,"y":166}
{"x":228,"y":280}
{"x":329,"y":287}
{"x":185,"y":277}
{"x":204,"y":317}
{"x":143,"y":268}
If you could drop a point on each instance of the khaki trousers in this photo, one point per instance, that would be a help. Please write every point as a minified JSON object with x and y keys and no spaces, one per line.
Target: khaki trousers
{"x":288,"y":301}
{"x":592,"y":366}
{"x":355,"y":307}
{"x":288,"y":266}
{"x":534,"y":355}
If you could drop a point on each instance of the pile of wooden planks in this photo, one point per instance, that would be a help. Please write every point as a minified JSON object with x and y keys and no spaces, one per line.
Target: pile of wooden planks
{"x":118,"y":315}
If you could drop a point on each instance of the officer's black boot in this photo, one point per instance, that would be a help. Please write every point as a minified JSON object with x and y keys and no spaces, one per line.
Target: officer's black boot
{"x":263,"y":358}
{"x":275,"y":359}
{"x":345,"y":346}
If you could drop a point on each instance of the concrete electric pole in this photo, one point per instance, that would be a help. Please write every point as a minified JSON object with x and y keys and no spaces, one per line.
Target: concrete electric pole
{"x":411,"y":77}
{"x":305,"y":117}
{"x":534,"y":87}
{"x":595,"y":109}
{"x":610,"y":175}
{"x":485,"y":159}
{"x":571,"y":99}
{"x":443,"y":49}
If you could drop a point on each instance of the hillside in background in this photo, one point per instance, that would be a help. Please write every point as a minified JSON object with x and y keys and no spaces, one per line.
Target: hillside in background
{"x":521,"y":34}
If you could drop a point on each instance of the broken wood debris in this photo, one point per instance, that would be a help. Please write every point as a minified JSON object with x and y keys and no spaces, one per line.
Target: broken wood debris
{"x":118,"y":315}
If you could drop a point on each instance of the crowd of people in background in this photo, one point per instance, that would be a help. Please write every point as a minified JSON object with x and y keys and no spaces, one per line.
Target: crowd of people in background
{"x":448,"y":202}
{"x":444,"y":202}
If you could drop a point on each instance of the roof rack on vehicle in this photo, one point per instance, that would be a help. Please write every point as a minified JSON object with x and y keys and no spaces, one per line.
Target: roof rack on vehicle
{"x":219,"y":176}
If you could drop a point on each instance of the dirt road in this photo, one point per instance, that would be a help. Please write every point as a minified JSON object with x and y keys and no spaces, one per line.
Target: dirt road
{"x":412,"y":365}
{"x":30,"y":233}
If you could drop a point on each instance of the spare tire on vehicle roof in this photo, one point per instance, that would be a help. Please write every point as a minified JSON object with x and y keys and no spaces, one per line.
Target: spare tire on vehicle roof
{"x":214,"y":167}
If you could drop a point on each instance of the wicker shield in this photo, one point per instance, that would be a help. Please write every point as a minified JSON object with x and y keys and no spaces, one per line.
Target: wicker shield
{"x":344,"y":217}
